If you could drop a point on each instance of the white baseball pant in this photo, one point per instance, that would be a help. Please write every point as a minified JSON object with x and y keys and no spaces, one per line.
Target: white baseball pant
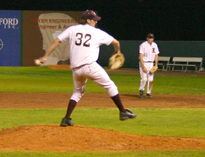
{"x":146,"y":77}
{"x":97,"y":74}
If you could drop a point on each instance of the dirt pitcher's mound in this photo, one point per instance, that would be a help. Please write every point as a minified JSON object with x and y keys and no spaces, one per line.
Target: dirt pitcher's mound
{"x":86,"y":139}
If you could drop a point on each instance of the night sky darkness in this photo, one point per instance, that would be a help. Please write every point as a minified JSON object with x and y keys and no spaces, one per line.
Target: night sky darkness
{"x":133,"y":19}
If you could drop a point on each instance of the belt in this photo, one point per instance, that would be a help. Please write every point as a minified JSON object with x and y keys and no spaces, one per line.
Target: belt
{"x":148,"y":62}
{"x":81,"y":66}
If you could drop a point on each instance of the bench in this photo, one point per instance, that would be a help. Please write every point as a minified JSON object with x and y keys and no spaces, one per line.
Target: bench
{"x":163,"y":61}
{"x":186,"y":62}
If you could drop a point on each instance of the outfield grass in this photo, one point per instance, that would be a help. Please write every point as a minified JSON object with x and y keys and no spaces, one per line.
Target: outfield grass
{"x":43,"y":79}
{"x":181,"y":122}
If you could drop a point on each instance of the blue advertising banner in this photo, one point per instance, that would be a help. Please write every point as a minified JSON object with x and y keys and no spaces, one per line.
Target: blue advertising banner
{"x":10,"y":38}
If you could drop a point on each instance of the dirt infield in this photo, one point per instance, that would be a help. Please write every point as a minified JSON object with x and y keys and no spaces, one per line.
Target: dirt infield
{"x":87,"y":139}
{"x":55,"y":100}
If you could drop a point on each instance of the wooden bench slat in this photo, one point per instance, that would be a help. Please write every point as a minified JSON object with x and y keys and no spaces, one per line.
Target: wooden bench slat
{"x":182,"y":64}
{"x":165,"y":60}
{"x":188,"y":62}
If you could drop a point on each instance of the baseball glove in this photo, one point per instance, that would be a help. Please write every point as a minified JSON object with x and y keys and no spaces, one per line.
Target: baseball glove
{"x":116,"y":61}
{"x":154,"y":69}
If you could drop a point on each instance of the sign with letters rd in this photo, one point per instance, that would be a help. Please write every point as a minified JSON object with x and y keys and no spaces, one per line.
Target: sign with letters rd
{"x":10,"y":38}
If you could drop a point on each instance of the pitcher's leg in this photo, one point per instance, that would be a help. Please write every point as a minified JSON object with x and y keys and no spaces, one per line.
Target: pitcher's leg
{"x":79,"y":88}
{"x":100,"y":77}
{"x":71,"y":106}
{"x":118,"y":102}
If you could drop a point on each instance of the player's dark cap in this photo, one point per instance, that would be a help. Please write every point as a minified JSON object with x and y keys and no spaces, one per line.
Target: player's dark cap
{"x":90,"y":14}
{"x":150,"y":35}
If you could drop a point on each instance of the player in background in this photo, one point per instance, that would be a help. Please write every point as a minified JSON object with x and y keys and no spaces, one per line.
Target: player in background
{"x":85,"y":41}
{"x":148,"y":54}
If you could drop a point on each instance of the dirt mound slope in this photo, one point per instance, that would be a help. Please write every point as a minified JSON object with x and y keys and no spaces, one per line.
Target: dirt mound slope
{"x":87,"y":139}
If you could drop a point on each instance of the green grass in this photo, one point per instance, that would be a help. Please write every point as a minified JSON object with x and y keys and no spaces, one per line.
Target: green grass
{"x":35,"y":79}
{"x":43,"y":79}
{"x":180,"y":122}
{"x":179,"y":85}
{"x":174,"y":153}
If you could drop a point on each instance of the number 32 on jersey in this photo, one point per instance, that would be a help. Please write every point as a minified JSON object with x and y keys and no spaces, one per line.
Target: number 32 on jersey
{"x":83,"y":39}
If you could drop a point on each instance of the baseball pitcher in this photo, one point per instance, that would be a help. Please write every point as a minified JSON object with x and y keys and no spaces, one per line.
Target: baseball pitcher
{"x":85,"y":41}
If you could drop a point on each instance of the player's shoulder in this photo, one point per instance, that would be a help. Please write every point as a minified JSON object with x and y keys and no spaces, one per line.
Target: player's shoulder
{"x":75,"y":26}
{"x":143,"y":43}
{"x":99,"y":30}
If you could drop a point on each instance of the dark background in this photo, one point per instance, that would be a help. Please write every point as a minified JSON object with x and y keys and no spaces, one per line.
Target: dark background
{"x":178,"y":20}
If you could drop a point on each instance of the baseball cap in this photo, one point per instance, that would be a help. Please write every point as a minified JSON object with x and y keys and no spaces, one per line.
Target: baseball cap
{"x":90,"y":14}
{"x":150,"y":35}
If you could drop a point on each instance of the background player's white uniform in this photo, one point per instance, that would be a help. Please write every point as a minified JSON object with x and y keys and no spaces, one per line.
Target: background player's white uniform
{"x":84,"y":52}
{"x":149,"y":52}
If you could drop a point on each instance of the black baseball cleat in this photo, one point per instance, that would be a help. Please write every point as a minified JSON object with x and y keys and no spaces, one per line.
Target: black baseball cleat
{"x":128,"y":114}
{"x":66,"y":122}
{"x":149,"y":96}
{"x":141,"y":94}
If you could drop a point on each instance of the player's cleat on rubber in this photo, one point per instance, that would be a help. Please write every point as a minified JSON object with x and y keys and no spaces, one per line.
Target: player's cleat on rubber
{"x":149,"y":96}
{"x":128,"y":114}
{"x":66,"y":122}
{"x":141,"y":94}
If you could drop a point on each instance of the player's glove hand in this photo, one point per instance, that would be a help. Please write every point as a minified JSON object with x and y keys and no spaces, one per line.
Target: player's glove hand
{"x":116,"y":61}
{"x":154,"y":69}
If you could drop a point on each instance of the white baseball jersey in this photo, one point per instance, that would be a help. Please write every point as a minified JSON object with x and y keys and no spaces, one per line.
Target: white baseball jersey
{"x":149,"y":51}
{"x":84,"y":43}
